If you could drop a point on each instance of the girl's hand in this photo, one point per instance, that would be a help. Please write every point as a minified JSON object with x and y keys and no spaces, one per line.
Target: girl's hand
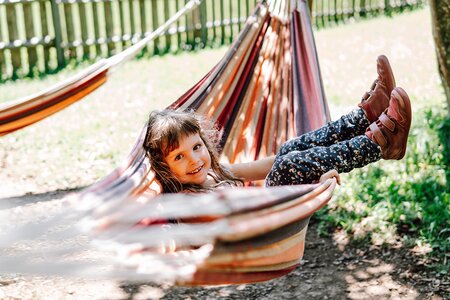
{"x":330,"y":174}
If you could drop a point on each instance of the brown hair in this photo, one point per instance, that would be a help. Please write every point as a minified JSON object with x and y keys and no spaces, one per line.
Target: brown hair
{"x":164,"y":130}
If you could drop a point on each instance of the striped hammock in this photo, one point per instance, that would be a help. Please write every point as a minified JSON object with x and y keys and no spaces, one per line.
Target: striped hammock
{"x":265,"y":90}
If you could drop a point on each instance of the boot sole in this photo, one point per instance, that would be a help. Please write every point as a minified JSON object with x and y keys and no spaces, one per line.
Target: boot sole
{"x":404,"y":105}
{"x":386,"y":63}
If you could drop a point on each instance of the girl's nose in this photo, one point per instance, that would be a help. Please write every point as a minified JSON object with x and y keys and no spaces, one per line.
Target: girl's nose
{"x":193,"y":158}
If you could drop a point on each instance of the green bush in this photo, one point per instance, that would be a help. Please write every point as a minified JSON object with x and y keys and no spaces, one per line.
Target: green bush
{"x":406,"y":200}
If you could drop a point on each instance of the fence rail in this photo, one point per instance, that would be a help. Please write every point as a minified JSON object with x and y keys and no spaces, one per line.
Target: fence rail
{"x":42,"y":36}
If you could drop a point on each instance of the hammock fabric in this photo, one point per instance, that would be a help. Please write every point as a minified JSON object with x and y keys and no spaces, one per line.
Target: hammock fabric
{"x":266,"y":89}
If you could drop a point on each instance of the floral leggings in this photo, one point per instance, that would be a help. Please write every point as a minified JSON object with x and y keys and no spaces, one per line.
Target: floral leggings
{"x":340,"y":145}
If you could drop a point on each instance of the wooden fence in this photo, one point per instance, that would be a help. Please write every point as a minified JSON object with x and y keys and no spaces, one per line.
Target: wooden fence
{"x":42,"y":36}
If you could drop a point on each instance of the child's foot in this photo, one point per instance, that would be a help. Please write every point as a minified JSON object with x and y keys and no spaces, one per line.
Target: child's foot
{"x":376,"y":100}
{"x":391,"y":129}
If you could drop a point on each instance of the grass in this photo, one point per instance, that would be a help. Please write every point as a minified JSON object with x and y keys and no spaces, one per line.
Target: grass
{"x":406,"y":202}
{"x":388,"y":202}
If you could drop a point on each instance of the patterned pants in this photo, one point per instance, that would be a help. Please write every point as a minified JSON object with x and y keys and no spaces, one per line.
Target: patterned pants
{"x":340,"y":145}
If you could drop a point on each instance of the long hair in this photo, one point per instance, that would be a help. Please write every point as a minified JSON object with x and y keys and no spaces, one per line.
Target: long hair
{"x":164,"y":130}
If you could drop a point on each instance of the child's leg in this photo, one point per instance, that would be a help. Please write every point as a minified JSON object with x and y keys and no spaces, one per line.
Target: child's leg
{"x":386,"y":138}
{"x":348,"y":126}
{"x":299,"y":167}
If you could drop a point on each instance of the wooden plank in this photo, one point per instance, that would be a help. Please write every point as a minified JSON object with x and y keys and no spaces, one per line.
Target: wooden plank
{"x":29,"y":34}
{"x":132,"y":18}
{"x":194,"y":23}
{"x":2,"y":38}
{"x":56,"y":18}
{"x":143,"y":19}
{"x":44,"y":30}
{"x":213,"y":3}
{"x":322,"y":13}
{"x":239,"y":15}
{"x":335,"y":9}
{"x":11,"y":18}
{"x":179,"y":40}
{"x":70,"y":29}
{"x":247,"y":8}
{"x":230,"y":38}
{"x":203,"y":18}
{"x":155,"y":25}
{"x":167,"y":17}
{"x":84,"y":29}
{"x":2,"y":64}
{"x":109,"y":27}
{"x":353,"y":8}
{"x":362,"y":8}
{"x":222,"y":26}
{"x":123,"y":31}
{"x":188,"y":22}
{"x":97,"y":34}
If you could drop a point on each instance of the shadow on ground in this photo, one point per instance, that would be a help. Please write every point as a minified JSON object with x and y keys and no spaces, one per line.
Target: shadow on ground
{"x":328,"y":271}
{"x":16,"y":201}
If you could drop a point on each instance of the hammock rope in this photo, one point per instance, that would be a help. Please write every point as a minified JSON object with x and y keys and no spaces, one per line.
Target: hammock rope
{"x":266,"y":89}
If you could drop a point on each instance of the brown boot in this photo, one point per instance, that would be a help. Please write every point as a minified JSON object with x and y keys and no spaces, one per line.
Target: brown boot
{"x":391,"y":129}
{"x":376,"y":100}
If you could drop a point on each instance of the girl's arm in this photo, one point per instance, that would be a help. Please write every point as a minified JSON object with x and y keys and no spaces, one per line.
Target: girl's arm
{"x":254,"y":170}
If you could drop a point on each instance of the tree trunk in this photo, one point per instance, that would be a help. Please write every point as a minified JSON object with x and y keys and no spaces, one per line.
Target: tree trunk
{"x":440,"y":15}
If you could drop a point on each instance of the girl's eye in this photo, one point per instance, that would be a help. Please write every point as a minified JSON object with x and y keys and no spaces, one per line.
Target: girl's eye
{"x":198,"y":146}
{"x":178,"y":157}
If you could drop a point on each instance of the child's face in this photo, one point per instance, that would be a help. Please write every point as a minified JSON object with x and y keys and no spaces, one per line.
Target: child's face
{"x":190,"y":162}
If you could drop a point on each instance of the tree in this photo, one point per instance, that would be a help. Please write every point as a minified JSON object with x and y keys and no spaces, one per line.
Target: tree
{"x":440,"y":15}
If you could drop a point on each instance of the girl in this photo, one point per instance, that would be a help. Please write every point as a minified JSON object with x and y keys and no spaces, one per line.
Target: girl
{"x":182,"y":147}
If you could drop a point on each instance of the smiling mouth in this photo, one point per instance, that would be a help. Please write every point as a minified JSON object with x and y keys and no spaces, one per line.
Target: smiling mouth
{"x":196,"y":170}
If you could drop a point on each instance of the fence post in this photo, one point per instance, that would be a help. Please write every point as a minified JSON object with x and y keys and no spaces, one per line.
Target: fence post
{"x":143,"y":18}
{"x":204,"y":30}
{"x":168,"y":44}
{"x":387,"y":7}
{"x":44,"y":29}
{"x":58,"y":34}
{"x":231,"y":21}
{"x":155,"y":24}
{"x":362,"y":9}
{"x":84,"y":29}
{"x":29,"y":34}
{"x":95,"y":15}
{"x":2,"y":54}
{"x":13,"y":33}
{"x":109,"y":27}
{"x":68,"y":7}
{"x":222,"y":26}
{"x":196,"y":26}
